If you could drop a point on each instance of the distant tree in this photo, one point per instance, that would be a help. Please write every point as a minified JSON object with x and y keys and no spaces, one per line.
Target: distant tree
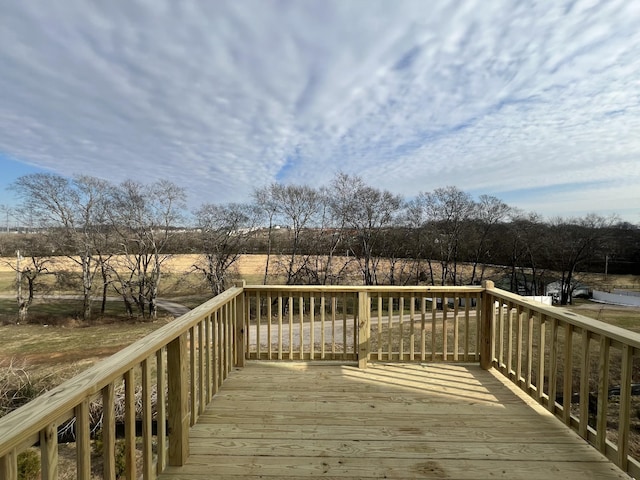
{"x":449,"y":211}
{"x":573,"y":242}
{"x":367,"y":212}
{"x":144,"y":217}
{"x":28,"y":270}
{"x":266,"y":204}
{"x":297,"y":207}
{"x":72,"y":213}
{"x":487,"y":213}
{"x":323,"y":244}
{"x":224,"y":233}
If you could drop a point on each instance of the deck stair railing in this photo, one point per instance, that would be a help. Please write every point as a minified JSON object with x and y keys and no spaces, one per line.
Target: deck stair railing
{"x":582,"y":370}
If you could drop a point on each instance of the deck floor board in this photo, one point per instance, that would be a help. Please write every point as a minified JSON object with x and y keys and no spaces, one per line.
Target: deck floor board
{"x":397,"y":421}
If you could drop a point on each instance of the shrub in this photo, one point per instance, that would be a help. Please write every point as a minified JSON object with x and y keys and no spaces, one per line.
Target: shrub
{"x":28,"y":465}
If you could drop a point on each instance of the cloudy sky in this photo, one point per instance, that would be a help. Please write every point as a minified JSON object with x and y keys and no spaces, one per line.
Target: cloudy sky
{"x":537,"y":103}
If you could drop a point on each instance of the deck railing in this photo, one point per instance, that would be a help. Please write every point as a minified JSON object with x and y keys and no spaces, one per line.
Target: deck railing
{"x":155,"y":389}
{"x":582,"y":370}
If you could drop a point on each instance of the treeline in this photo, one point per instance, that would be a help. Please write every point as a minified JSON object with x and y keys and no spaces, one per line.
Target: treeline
{"x":120,"y":235}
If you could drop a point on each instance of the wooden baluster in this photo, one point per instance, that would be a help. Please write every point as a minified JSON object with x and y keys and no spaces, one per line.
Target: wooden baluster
{"x":9,"y":466}
{"x":193,"y":394}
{"x":553,"y":366}
{"x":279,"y":326}
{"x":625,"y":407}
{"x":322,"y":327}
{"x":485,"y":326}
{"x":178,"y":402}
{"x":312,"y":339}
{"x":130,"y":424}
{"x":147,"y":416}
{"x":434,"y":308}
{"x":412,"y":333}
{"x":364,"y":326}
{"x":518,"y":372}
{"x":456,"y":327}
{"x":49,"y":452}
{"x":529,"y":354}
{"x":423,"y":329}
{"x":83,"y":443}
{"x":109,"y":431}
{"x":208,"y":352}
{"x":241,"y":327}
{"x":401,"y":326}
{"x":301,"y":320}
{"x":269,"y":318}
{"x":467,"y":330}
{"x":603,"y":395}
{"x":258,"y":325}
{"x":202,"y":397}
{"x":585,"y":371}
{"x":567,"y":388}
{"x":541,"y":356}
{"x":161,"y":409}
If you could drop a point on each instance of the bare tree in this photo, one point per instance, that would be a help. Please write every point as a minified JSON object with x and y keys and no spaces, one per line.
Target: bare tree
{"x":143,"y":217}
{"x":297,"y":207}
{"x":72,"y":212}
{"x":448,"y":210}
{"x":28,"y":270}
{"x":571,"y":243}
{"x":367,"y":211}
{"x":224,"y":230}
{"x":488,"y":212}
{"x":266,"y":204}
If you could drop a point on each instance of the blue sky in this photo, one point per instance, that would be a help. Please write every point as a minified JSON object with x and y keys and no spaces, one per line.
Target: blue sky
{"x":537,"y":103}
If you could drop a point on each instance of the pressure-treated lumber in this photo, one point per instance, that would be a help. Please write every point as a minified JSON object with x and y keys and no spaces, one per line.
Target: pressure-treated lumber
{"x":301,"y":420}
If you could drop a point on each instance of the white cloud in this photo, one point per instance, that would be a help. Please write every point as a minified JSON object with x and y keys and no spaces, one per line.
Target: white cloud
{"x":221,"y":97}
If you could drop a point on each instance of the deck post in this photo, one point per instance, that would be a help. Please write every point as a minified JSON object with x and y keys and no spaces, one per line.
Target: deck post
{"x":363,"y":329}
{"x":240,"y":325}
{"x":178,"y":401}
{"x":9,"y":465}
{"x":486,"y":335}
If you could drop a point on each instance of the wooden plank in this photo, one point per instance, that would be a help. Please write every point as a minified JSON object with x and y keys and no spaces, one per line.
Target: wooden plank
{"x":423,"y":330}
{"x":585,"y":370}
{"x":567,"y":388}
{"x":193,"y":393}
{"x":603,"y":395}
{"x":312,"y":327}
{"x":178,"y":411}
{"x":362,"y":468}
{"x":364,"y":329}
{"x":479,"y":430}
{"x":9,"y":466}
{"x":519,"y":335}
{"x":49,"y":452}
{"x":269,"y":327}
{"x":624,"y":413}
{"x":390,"y":419}
{"x":148,"y":471}
{"x":529,"y":351}
{"x":130,"y":424}
{"x":161,"y":409}
{"x":553,"y":365}
{"x":109,"y":432}
{"x":542,"y":325}
{"x":201,"y":373}
{"x":409,"y":449}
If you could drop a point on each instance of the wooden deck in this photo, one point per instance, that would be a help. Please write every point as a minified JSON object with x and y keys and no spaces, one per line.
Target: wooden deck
{"x":296,"y":420}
